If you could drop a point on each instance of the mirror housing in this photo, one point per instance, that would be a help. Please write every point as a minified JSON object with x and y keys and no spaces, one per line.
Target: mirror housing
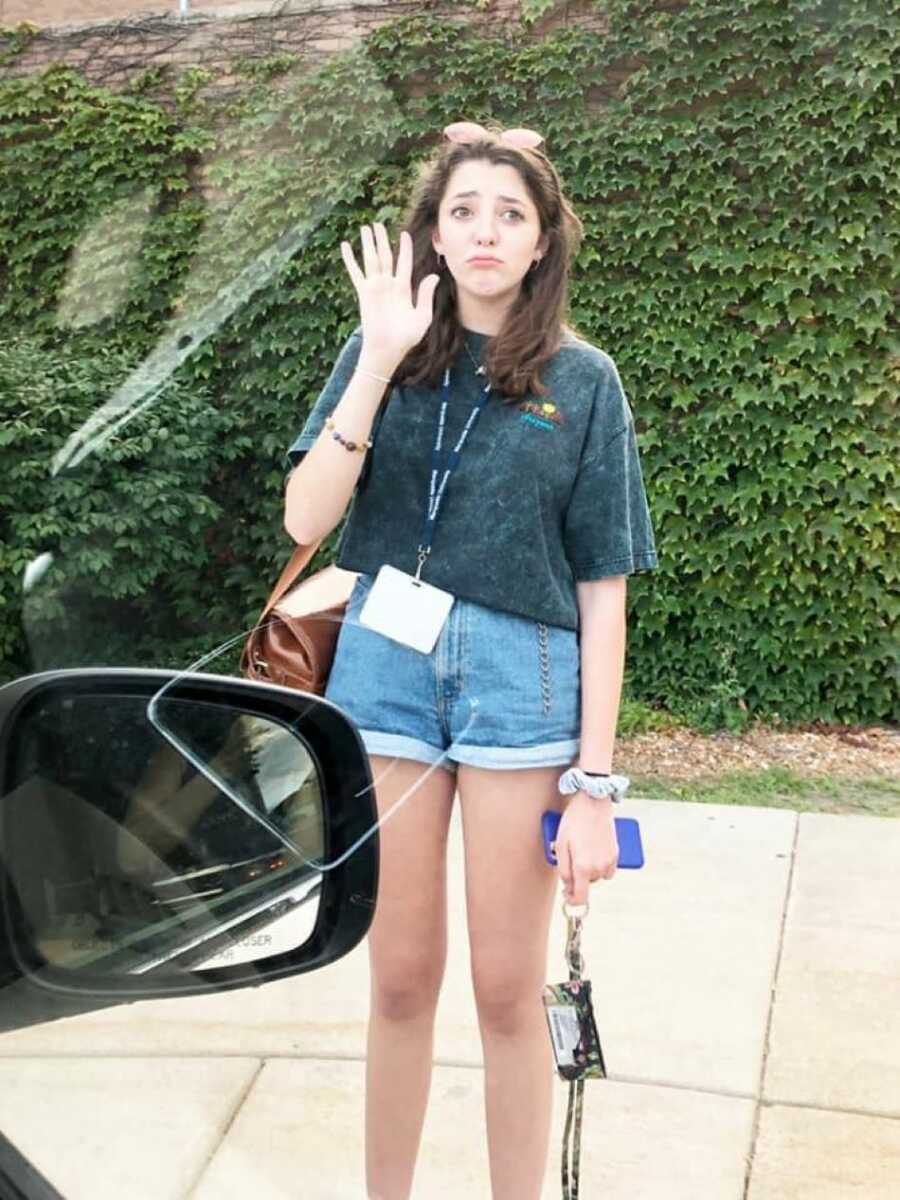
{"x":338,"y":773}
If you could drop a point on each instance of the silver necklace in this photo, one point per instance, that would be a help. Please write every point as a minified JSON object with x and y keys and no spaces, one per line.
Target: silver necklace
{"x":479,"y":369}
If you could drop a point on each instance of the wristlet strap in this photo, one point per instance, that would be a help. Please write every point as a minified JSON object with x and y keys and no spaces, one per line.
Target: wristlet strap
{"x":572,"y":1129}
{"x":576,"y":1098}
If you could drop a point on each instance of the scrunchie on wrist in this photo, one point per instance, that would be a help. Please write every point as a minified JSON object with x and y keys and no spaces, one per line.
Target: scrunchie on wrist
{"x":576,"y":780}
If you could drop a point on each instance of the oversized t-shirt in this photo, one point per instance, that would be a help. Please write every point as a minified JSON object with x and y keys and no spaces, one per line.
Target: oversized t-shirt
{"x":548,"y":490}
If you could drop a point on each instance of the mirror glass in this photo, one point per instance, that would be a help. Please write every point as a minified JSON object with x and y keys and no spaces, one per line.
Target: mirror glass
{"x":122,"y":857}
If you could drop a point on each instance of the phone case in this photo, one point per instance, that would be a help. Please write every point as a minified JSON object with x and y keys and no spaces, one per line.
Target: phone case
{"x":628,"y":833}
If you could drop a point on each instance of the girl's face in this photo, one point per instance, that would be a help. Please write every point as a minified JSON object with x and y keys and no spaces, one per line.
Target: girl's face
{"x":496,"y":217}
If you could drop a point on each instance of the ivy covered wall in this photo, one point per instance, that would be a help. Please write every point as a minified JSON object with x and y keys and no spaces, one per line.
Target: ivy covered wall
{"x":169,"y":256}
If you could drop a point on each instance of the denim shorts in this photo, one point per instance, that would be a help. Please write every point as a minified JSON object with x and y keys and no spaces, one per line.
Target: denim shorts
{"x":498,"y":689}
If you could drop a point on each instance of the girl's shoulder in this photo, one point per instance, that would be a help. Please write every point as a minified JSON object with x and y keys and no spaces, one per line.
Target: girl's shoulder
{"x":581,"y":358}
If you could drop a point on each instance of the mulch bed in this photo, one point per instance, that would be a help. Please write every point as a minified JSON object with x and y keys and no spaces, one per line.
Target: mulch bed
{"x":813,"y":750}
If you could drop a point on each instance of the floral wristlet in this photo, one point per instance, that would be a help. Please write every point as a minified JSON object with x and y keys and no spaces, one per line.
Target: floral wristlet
{"x":576,"y":1044}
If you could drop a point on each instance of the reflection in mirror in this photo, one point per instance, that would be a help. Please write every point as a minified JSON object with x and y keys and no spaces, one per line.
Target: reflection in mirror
{"x":258,"y":763}
{"x":203,"y":746}
{"x":123,"y":858}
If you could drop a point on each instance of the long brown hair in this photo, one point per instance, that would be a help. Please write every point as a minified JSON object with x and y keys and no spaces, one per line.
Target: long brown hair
{"x":534,"y":326}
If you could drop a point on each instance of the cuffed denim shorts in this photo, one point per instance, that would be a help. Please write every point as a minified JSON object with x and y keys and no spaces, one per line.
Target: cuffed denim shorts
{"x":498,"y":689}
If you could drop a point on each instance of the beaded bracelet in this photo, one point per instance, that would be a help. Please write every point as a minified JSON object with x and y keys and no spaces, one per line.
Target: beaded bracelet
{"x":362,"y":447}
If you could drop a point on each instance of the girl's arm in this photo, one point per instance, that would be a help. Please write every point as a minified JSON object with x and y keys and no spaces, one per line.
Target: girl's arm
{"x":601,"y":607}
{"x":586,"y":844}
{"x":319,"y":488}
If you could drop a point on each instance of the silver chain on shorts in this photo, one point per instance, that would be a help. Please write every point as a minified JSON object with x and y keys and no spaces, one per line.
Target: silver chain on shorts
{"x":544,"y":650}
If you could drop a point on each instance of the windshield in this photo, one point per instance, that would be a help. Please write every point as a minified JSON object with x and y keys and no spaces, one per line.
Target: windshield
{"x":179,"y":183}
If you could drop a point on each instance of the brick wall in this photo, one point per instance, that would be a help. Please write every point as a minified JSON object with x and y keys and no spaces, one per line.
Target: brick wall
{"x":111,"y":40}
{"x":76,"y":12}
{"x":126,"y":37}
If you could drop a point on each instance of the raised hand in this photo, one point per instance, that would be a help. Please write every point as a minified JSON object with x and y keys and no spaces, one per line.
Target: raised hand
{"x":391,"y":323}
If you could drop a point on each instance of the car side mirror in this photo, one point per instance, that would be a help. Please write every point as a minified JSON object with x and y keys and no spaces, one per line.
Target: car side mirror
{"x":130,"y":869}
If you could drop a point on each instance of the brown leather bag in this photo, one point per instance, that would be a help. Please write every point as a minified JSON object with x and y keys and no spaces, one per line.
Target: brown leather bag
{"x":293,"y":641}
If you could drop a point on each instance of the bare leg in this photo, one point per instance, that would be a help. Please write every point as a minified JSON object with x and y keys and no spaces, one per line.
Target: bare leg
{"x":407,"y":953}
{"x":510,"y":891}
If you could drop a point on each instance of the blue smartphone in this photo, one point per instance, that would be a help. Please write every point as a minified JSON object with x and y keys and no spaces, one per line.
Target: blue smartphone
{"x":628,"y":835}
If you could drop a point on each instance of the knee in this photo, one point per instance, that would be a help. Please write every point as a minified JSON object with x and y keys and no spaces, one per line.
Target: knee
{"x":406,"y":988}
{"x":508,"y":1003}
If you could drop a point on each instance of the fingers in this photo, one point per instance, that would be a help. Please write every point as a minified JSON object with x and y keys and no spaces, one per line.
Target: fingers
{"x":351,"y":265}
{"x":577,"y":877}
{"x":370,"y":253}
{"x":607,"y":871}
{"x":383,"y":246}
{"x":404,"y":256}
{"x":378,"y":257}
{"x":425,"y":295}
{"x":564,"y":867}
{"x":370,"y":258}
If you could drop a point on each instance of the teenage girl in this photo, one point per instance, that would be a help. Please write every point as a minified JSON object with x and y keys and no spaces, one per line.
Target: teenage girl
{"x":537,"y":527}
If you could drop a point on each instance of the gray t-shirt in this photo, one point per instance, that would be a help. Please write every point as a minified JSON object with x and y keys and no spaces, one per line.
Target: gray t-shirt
{"x":547,"y":491}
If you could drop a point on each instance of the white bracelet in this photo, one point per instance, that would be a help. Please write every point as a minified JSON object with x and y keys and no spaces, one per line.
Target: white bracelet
{"x":373,"y":375}
{"x":575,"y":780}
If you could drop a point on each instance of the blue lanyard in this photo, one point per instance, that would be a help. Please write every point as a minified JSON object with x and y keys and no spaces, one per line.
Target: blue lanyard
{"x":436,"y":490}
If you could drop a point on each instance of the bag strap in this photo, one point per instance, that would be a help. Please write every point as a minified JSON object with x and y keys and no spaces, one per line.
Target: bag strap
{"x":576,"y":1086}
{"x":295,"y":564}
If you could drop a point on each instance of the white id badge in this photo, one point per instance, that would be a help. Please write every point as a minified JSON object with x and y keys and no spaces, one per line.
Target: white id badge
{"x":407,"y":609}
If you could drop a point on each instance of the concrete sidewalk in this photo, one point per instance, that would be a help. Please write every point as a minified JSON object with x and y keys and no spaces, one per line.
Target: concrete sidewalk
{"x":747,"y":994}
